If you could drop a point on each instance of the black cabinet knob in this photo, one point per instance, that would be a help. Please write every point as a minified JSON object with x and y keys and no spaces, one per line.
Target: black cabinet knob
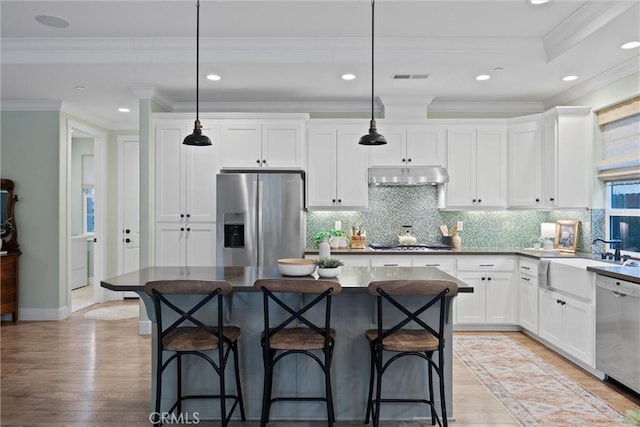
{"x":473,"y":200}
{"x":188,"y":228}
{"x":488,"y":278}
{"x":558,"y":301}
{"x":404,"y":160}
{"x":181,"y":228}
{"x":264,"y":161}
{"x":479,"y":200}
{"x":339,"y":200}
{"x":258,"y":161}
{"x":537,"y":200}
{"x":127,"y":240}
{"x":188,"y":215}
{"x":482,"y":278}
{"x":181,"y":215}
{"x":409,"y":160}
{"x":127,"y":231}
{"x":551,"y":199}
{"x":333,"y":200}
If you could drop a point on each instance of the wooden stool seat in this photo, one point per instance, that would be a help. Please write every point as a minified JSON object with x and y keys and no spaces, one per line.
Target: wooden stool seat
{"x":298,"y":339}
{"x":406,"y":340}
{"x":188,"y":338}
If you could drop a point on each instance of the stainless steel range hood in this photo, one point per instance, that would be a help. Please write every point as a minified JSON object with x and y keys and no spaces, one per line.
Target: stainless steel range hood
{"x":413,"y":175}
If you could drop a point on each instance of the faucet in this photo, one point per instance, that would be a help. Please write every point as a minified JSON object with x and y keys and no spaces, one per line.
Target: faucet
{"x":615,"y":244}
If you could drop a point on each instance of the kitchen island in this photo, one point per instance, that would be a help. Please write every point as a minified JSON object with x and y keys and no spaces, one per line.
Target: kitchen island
{"x":353,"y":312}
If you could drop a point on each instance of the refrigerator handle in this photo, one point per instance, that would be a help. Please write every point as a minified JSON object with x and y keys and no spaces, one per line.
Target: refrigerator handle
{"x":259,"y":233}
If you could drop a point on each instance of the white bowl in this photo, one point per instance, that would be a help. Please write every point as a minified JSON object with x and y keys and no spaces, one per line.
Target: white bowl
{"x":328,"y":272}
{"x":296,"y":266}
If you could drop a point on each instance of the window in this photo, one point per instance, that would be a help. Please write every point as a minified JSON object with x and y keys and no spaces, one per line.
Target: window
{"x":88,"y":209}
{"x":622,"y":215}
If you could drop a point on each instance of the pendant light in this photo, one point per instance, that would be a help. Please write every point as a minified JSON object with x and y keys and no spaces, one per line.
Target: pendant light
{"x":373,"y":137}
{"x":197,"y":138}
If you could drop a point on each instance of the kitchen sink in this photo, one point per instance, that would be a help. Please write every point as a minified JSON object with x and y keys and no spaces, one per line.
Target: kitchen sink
{"x":571,"y":275}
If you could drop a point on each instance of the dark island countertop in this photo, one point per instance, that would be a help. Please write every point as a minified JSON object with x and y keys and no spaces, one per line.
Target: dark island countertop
{"x":352,"y":279}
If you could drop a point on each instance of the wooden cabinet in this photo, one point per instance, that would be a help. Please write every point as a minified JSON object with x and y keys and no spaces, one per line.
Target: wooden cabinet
{"x":550,"y":160}
{"x":9,"y":284}
{"x":410,"y":145}
{"x":567,"y":323}
{"x":336,"y":168}
{"x":476,"y":162}
{"x":259,"y":143}
{"x":494,"y":298}
{"x":528,"y":295}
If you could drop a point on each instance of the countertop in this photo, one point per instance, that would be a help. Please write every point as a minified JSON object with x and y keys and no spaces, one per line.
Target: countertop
{"x":530,"y":252}
{"x":630,"y":274}
{"x":352,"y":279}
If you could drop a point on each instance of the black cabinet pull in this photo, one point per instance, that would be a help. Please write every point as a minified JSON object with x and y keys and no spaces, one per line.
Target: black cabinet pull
{"x":127,"y":231}
{"x":482,"y":278}
{"x":188,"y":228}
{"x":264,"y":161}
{"x":181,"y":228}
{"x":188,"y":215}
{"x":333,"y":200}
{"x":473,"y":200}
{"x":181,"y":215}
{"x":479,"y":200}
{"x":404,"y":160}
{"x":409,"y":160}
{"x":127,"y":240}
{"x":488,"y":278}
{"x":258,"y":161}
{"x":551,"y":199}
{"x":537,"y":200}
{"x":558,"y":301}
{"x":339,"y":200}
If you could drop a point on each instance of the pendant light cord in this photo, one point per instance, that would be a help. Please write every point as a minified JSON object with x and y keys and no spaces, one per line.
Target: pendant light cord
{"x":373,"y":2}
{"x":197,"y":59}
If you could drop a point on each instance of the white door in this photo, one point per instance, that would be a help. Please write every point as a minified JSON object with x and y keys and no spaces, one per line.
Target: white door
{"x":240,"y":144}
{"x":550,"y":318}
{"x":501,"y":304}
{"x":578,"y":329}
{"x":426,"y":145}
{"x":461,"y":165}
{"x":393,"y":153}
{"x":321,"y":167}
{"x":129,"y":194}
{"x":470,"y":308}
{"x":525,"y":165}
{"x":283,"y":144}
{"x":351,"y":169}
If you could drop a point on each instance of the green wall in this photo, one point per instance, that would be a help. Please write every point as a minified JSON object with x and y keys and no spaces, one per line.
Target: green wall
{"x":30,"y":156}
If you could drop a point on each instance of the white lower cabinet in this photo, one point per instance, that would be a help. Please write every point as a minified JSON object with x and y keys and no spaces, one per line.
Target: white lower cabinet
{"x":441,"y":262}
{"x":528,"y":295}
{"x":494,"y":298}
{"x":391,"y":261}
{"x":567,"y":323}
{"x":185,"y":244}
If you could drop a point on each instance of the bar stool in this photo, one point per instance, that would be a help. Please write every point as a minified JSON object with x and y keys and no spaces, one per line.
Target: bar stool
{"x":279,"y":341}
{"x":421,"y":341}
{"x":188,"y":335}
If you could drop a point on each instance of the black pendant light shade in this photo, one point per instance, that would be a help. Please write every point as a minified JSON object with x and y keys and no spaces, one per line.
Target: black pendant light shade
{"x":197,"y":138}
{"x":373,"y":137}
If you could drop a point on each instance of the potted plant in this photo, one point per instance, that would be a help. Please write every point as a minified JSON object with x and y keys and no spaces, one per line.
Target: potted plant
{"x":324,"y":234}
{"x":328,"y":267}
{"x":6,"y":227}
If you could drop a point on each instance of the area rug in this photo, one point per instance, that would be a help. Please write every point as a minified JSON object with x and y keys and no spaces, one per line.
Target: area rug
{"x":114,"y":312}
{"x":534,"y":392}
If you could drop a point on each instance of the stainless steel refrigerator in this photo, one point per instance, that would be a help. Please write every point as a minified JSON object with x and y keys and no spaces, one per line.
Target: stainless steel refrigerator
{"x":260,"y":217}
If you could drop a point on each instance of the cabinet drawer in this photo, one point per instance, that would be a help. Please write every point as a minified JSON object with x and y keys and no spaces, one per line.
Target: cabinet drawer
{"x":444,"y":263}
{"x":391,"y":261}
{"x":7,"y":269}
{"x":528,"y":267}
{"x":484,"y":263}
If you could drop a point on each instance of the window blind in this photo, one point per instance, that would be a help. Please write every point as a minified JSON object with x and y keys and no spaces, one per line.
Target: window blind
{"x":620,"y":142}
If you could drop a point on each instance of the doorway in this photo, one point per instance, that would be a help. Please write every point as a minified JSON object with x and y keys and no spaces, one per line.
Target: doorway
{"x":86,"y":190}
{"x":129,"y":206}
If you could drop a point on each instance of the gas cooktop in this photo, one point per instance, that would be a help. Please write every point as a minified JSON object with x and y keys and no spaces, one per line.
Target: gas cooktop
{"x":419,"y":247}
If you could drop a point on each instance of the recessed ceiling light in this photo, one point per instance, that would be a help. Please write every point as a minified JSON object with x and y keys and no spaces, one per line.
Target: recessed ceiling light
{"x":348,"y":76}
{"x":213,"y":77}
{"x":52,"y":21}
{"x":483,"y":77}
{"x":80,"y":87}
{"x":630,"y":45}
{"x":570,"y":78}
{"x":536,"y":2}
{"x":124,"y":110}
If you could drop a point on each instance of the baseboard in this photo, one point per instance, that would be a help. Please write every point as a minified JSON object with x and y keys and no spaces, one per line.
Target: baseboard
{"x":487,"y":328}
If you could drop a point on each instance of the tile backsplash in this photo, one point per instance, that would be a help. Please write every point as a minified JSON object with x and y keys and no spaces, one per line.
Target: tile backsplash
{"x":391,"y":207}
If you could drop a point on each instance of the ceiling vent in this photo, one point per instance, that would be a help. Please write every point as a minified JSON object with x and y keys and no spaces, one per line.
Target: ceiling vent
{"x":409,"y":76}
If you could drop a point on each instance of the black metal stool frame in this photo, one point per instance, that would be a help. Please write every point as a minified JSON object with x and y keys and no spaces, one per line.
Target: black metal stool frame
{"x":225,"y":348}
{"x":379,"y":366}
{"x":270,"y":356}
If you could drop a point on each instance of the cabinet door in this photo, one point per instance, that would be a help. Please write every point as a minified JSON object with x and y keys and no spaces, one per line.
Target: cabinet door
{"x":169,"y":170}
{"x":351,"y":170}
{"x":470,"y":308}
{"x":169,"y":244}
{"x":200,"y":241}
{"x":578,"y":330}
{"x":528,"y":304}
{"x":502,"y":301}
{"x":240,"y":144}
{"x":461,"y":165}
{"x":491,"y":164}
{"x":550,"y":317}
{"x":321,"y":167}
{"x":393,"y":153}
{"x":283,"y":144}
{"x":525,"y":165}
{"x":549,"y":162}
{"x":200,"y":181}
{"x":426,"y":146}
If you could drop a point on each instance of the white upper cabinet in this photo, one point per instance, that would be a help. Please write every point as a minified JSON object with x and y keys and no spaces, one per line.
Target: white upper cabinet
{"x":550,"y":160}
{"x":410,"y":145}
{"x":476,"y":162}
{"x":185,"y":176}
{"x":525,"y":165}
{"x":261,"y":143}
{"x":336,"y":168}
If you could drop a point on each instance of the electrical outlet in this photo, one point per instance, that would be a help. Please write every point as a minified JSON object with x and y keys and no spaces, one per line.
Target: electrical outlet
{"x":337,"y":225}
{"x":460,"y":225}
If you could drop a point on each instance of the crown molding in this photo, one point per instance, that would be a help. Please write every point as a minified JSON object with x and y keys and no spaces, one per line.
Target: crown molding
{"x":276,"y":106}
{"x":486,"y":107}
{"x":30,"y":105}
{"x":588,"y":19}
{"x":606,"y":78}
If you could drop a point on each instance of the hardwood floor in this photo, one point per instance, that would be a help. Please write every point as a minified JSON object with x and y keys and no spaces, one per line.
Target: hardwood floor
{"x":81,"y":372}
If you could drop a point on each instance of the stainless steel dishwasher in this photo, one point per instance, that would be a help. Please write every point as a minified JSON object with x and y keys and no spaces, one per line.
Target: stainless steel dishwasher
{"x":618,"y":330}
